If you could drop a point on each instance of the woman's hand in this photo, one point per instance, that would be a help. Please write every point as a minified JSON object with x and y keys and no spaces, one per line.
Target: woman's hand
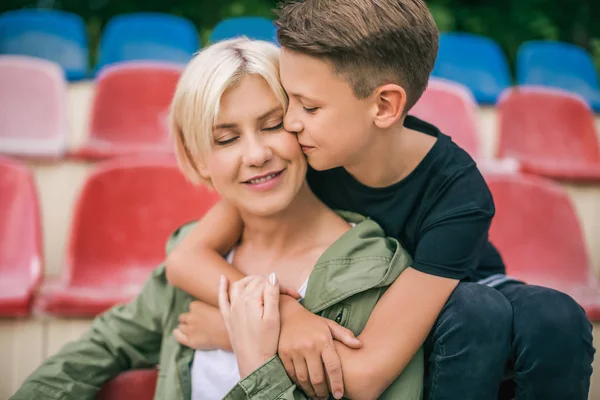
{"x":251,"y":313}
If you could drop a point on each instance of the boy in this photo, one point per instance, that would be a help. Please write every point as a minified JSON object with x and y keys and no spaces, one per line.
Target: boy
{"x":352,"y":71}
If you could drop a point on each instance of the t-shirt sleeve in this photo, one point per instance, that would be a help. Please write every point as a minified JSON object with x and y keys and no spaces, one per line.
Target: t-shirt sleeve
{"x":454,"y":236}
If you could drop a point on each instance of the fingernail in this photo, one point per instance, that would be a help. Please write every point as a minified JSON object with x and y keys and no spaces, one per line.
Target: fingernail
{"x":222,"y":280}
{"x":337,"y":395}
{"x":273,"y":279}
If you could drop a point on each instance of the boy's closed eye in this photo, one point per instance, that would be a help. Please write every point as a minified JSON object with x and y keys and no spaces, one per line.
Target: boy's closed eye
{"x":310,"y":110}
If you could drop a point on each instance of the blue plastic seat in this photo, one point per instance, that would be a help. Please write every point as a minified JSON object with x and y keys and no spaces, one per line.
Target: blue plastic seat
{"x":148,"y":37}
{"x":474,"y":61}
{"x":560,"y":65}
{"x":57,"y":36}
{"x":257,"y":28}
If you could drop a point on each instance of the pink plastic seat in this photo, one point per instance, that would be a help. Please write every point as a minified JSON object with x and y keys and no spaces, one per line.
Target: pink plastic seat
{"x":550,"y":133}
{"x":33,"y":116}
{"x":451,"y":107}
{"x":130,"y":110}
{"x":20,"y":239}
{"x":540,"y":239}
{"x":123,"y":217}
{"x":130,"y":385}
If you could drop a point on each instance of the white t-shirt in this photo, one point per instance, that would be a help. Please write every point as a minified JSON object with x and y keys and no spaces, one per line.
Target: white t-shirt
{"x":215,"y":372}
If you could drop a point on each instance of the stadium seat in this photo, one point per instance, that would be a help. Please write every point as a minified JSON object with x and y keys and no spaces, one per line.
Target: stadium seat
{"x":130,"y":110}
{"x":538,"y":234}
{"x":149,"y":37}
{"x":475,"y":61}
{"x":50,"y":34}
{"x":550,"y":132}
{"x":257,"y":28}
{"x":451,"y":107}
{"x":137,"y":384}
{"x":122,"y":220}
{"x":33,"y":110}
{"x":20,"y":239}
{"x":560,"y":65}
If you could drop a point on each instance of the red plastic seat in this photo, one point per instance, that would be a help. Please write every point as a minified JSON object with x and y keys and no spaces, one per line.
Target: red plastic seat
{"x":33,"y":111}
{"x":540,"y":239}
{"x":130,"y":385}
{"x":20,"y":239}
{"x":451,"y":107}
{"x":550,"y":132}
{"x":123,"y":218}
{"x":130,"y":110}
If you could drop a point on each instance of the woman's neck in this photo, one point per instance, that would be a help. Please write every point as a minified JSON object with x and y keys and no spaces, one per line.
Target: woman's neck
{"x":300,"y":226}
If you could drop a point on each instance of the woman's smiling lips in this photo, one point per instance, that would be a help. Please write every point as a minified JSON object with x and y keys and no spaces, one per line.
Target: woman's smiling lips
{"x":265,"y":181}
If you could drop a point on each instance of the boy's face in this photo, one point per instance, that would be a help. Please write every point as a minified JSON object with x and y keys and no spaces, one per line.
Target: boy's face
{"x":332,"y":124}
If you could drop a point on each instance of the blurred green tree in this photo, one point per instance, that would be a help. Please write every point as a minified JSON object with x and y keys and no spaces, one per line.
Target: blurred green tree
{"x":509,"y":22}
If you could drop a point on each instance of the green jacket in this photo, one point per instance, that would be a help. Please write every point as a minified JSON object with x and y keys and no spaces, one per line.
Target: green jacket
{"x":345,"y":285}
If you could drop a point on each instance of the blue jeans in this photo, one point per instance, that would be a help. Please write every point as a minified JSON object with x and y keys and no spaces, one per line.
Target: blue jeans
{"x":541,"y":336}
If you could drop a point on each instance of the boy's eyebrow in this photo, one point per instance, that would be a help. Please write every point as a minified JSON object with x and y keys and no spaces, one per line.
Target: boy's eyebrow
{"x":262,"y":117}
{"x":301,"y":96}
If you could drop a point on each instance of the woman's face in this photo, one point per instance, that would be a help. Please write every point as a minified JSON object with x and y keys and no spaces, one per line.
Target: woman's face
{"x":254,"y":164}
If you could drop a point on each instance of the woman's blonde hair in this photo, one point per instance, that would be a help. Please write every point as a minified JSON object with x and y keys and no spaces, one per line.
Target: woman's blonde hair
{"x":195,"y":105}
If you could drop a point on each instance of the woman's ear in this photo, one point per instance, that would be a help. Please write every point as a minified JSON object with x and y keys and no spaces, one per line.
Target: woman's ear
{"x":390,"y":100}
{"x":203,"y":171}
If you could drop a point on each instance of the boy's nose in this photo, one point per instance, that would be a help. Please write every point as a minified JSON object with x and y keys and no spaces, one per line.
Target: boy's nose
{"x":292,"y":124}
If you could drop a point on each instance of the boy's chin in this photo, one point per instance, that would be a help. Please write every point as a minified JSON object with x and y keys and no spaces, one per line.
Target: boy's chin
{"x":320,"y":165}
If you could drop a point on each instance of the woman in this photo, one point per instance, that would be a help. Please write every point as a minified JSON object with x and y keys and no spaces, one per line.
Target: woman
{"x":227,"y":116}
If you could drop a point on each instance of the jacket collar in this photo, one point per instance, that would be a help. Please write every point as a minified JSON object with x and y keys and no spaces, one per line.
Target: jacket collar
{"x":363,"y":258}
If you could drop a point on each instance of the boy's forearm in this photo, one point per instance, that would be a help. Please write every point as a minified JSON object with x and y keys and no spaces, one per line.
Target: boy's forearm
{"x":196,"y":264}
{"x":396,"y":330}
{"x":199,"y":274}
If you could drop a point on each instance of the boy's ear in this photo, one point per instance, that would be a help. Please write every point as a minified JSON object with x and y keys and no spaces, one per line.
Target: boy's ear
{"x":390,"y":100}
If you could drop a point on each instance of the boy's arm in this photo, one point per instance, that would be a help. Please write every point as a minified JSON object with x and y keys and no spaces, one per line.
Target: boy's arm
{"x":396,"y":330}
{"x":214,"y":235}
{"x":125,"y":337}
{"x":407,"y":311}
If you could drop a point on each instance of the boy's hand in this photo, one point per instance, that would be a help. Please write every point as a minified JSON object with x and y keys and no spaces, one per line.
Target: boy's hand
{"x":307,"y":350}
{"x":202,"y":328}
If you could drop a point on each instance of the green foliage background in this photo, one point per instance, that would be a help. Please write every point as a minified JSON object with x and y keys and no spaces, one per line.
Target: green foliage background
{"x":510,"y":22}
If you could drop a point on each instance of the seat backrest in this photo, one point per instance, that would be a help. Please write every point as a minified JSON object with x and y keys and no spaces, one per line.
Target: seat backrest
{"x":544,"y":124}
{"x":536,"y":230}
{"x":135,"y":384}
{"x":148,"y":36}
{"x":33,"y":110}
{"x":557,"y":64}
{"x":256,"y":28}
{"x":451,"y":107}
{"x":20,"y":233}
{"x":475,"y":61}
{"x":124,"y":215}
{"x":131,"y":105}
{"x":50,"y":34}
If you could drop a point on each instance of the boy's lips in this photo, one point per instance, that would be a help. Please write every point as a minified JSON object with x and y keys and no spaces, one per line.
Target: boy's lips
{"x":305,"y":148}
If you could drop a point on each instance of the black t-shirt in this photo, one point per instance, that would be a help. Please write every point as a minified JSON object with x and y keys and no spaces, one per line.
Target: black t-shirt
{"x":441,"y":212}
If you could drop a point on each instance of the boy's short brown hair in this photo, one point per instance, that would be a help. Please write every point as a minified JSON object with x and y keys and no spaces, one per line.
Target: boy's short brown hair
{"x":368,"y":42}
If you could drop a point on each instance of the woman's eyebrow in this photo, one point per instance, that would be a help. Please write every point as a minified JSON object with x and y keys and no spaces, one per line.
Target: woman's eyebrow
{"x":264,"y":116}
{"x":270,"y":112}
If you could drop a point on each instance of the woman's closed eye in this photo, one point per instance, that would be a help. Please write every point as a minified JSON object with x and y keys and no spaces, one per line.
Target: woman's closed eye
{"x":225,"y":140}
{"x":311,"y":110}
{"x":274,"y":127}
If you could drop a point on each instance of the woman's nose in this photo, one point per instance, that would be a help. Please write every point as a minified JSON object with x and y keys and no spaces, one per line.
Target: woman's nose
{"x":257,"y":152}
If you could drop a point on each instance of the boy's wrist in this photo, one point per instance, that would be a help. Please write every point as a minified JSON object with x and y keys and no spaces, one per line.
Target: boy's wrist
{"x":288,"y":306}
